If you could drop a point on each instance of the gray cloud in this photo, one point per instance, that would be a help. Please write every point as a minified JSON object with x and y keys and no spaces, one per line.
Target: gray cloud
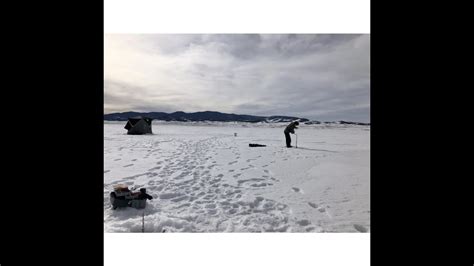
{"x":318,"y":76}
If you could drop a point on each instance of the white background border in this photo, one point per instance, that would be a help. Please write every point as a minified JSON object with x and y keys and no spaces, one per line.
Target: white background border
{"x":237,"y":16}
{"x":239,"y":249}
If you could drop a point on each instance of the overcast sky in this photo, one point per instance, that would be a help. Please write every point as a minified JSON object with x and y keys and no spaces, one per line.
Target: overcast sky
{"x":317,"y":76}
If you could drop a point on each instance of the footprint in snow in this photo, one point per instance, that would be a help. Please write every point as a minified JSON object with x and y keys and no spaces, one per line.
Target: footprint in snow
{"x":303,"y":222}
{"x":360,"y":228}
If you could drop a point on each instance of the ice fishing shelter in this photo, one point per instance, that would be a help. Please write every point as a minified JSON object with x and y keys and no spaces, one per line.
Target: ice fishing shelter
{"x":138,"y":125}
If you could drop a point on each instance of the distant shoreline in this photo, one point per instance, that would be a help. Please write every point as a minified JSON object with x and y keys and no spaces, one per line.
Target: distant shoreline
{"x":213,"y":116}
{"x":245,"y":124}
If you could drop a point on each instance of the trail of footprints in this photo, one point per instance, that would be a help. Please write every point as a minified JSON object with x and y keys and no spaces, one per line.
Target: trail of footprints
{"x":185,"y":182}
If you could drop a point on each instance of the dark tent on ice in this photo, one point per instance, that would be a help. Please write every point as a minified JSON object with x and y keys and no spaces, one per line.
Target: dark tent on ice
{"x":138,"y":125}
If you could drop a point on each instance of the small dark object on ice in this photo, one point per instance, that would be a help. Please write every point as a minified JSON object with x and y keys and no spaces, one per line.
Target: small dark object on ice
{"x":256,"y":145}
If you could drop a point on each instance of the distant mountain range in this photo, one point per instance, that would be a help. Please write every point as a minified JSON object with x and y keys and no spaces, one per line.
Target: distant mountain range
{"x":213,"y":116}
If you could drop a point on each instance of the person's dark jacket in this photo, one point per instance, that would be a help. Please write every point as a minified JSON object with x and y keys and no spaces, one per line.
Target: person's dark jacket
{"x":144,"y":195}
{"x":291,"y":128}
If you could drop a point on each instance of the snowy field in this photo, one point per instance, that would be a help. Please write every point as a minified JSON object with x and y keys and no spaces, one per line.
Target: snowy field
{"x":205,"y":179}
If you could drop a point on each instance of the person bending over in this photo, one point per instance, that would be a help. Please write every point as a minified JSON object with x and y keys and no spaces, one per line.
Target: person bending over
{"x":290,"y":129}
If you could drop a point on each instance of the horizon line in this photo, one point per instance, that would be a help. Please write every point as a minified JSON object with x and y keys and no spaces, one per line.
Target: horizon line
{"x":311,"y":120}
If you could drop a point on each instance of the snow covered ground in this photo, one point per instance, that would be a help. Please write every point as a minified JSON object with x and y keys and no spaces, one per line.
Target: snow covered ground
{"x":205,"y":179}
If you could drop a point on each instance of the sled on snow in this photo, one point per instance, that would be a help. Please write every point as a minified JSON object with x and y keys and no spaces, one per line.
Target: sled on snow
{"x":122,"y":197}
